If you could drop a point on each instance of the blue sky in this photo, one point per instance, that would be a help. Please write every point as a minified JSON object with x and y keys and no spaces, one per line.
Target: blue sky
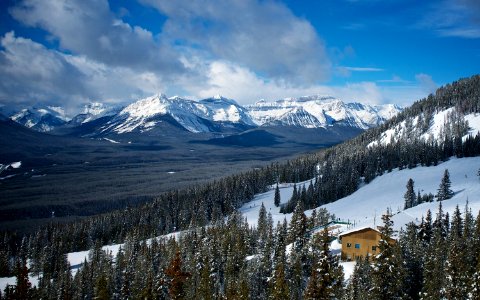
{"x":60,"y":52}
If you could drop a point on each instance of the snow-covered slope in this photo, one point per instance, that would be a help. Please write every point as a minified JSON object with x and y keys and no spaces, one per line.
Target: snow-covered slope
{"x":368,"y":203}
{"x":221,"y":109}
{"x":436,"y":125}
{"x":41,"y":119}
{"x":93,"y":111}
{"x":192,"y":115}
{"x":318,"y":111}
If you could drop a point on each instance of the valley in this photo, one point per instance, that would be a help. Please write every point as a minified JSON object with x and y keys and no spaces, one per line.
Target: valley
{"x":70,"y":178}
{"x":108,"y":158}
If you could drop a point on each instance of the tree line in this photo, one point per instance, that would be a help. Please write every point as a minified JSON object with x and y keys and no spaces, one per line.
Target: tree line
{"x":437,"y":259}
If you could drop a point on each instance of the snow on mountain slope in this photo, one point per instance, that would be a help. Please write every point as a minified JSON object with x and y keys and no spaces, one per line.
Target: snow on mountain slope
{"x":366,"y":206}
{"x":213,"y":114}
{"x":93,"y":111}
{"x":221,"y":109}
{"x":322,"y":111}
{"x":411,"y":127}
{"x":41,"y":119}
{"x":192,"y":115}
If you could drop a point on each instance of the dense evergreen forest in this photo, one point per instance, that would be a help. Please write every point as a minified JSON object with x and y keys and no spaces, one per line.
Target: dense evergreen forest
{"x":334,"y":173}
{"x":438,"y":259}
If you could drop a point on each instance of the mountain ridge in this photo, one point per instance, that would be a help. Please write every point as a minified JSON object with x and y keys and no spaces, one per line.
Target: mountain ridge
{"x":216,"y":114}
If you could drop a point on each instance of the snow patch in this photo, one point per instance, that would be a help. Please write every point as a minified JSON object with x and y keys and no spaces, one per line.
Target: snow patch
{"x":111,"y":141}
{"x":16,"y":164}
{"x":4,"y":281}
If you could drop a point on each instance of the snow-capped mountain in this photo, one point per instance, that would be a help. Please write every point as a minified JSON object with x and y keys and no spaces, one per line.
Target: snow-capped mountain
{"x":319,"y":111}
{"x":216,"y":114}
{"x":202,"y":116}
{"x":222,"y":109}
{"x":41,"y":119}
{"x":93,"y":111}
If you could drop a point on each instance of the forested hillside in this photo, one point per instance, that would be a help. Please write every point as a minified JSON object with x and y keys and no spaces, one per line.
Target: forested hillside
{"x":228,"y":259}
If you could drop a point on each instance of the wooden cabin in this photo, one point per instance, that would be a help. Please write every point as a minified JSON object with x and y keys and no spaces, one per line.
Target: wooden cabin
{"x":360,"y":242}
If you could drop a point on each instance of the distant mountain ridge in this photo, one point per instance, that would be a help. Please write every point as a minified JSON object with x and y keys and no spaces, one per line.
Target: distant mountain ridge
{"x":212,"y":115}
{"x":320,"y":111}
{"x":41,"y":119}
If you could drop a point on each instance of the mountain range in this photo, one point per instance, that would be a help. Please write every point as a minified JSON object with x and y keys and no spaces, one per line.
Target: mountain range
{"x":212,"y":115}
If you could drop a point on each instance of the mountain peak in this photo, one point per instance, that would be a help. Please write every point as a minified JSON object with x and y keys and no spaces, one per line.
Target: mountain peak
{"x":319,"y":111}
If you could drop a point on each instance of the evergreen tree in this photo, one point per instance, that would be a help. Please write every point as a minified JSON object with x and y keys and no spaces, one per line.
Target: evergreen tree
{"x":444,"y":191}
{"x":388,"y":272}
{"x":412,"y":253}
{"x":409,"y":195}
{"x":23,"y":287}
{"x":420,"y":199}
{"x":102,"y":291}
{"x":279,"y":286}
{"x":262,"y":221}
{"x":326,"y":281}
{"x":434,"y":262}
{"x":360,"y":283}
{"x":475,"y":285}
{"x":425,"y":230}
{"x":298,"y":227}
{"x":456,"y":268}
{"x":276,"y":199}
{"x":176,"y":286}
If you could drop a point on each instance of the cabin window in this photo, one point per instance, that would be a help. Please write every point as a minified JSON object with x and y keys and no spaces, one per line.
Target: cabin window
{"x":374,"y":248}
{"x":349,"y":245}
{"x":357,"y":246}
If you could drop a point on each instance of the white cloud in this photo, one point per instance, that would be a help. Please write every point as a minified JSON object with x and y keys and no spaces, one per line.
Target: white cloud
{"x":246,"y":87}
{"x":454,"y":18}
{"x":89,"y":28}
{"x":363,"y":69}
{"x":264,"y":36}
{"x":426,"y":83}
{"x":32,"y":72}
{"x":244,"y":49}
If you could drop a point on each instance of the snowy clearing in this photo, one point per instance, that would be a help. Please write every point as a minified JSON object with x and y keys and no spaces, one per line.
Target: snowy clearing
{"x":366,"y":206}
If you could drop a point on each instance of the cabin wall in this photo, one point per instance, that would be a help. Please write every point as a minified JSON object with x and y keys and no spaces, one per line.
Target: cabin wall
{"x":359,"y":244}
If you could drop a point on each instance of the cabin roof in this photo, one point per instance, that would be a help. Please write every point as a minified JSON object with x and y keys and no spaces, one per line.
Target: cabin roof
{"x":354,"y":230}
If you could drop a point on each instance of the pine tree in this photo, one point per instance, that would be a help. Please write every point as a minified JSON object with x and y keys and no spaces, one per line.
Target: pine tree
{"x":425,"y":230}
{"x":475,"y":286}
{"x":388,"y":272}
{"x":412,"y":253}
{"x":456,"y":269}
{"x":276,"y":199}
{"x":176,"y":288}
{"x":434,"y":262}
{"x":23,"y":287}
{"x":419,"y":198}
{"x":262,"y":221}
{"x":326,"y":281}
{"x":361,"y":281}
{"x":298,"y":227}
{"x":101,"y":288}
{"x":279,"y":286}
{"x":444,"y":191}
{"x":409,"y":195}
